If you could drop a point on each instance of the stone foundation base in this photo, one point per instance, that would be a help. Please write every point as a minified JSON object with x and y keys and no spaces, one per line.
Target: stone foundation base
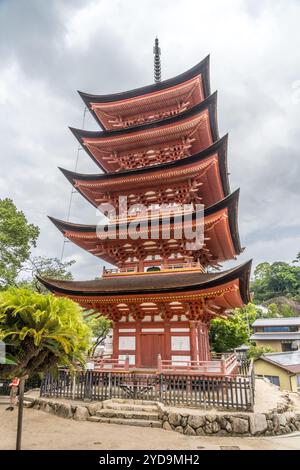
{"x":187,"y":422}
{"x":231,"y":424}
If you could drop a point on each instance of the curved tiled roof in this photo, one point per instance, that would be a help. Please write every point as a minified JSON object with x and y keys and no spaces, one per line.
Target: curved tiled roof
{"x":162,"y":282}
{"x":230,"y":202}
{"x":220,"y":147}
{"x":209,"y":103}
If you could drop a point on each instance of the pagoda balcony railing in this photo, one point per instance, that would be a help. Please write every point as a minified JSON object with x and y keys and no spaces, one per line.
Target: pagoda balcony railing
{"x":171,"y":211}
{"x":162,"y":267}
{"x":220,"y":365}
{"x":107,"y":363}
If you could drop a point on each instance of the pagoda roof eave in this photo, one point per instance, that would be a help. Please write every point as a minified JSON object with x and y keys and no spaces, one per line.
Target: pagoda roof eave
{"x":209,"y":103}
{"x":152,"y":283}
{"x":202,"y":68}
{"x":219,"y":147}
{"x":230,"y":203}
{"x":220,"y":144}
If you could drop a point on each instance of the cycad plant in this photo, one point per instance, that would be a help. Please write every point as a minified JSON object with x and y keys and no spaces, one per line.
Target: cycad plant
{"x":41,"y":332}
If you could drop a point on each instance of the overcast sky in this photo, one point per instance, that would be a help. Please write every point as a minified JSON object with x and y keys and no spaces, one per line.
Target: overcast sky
{"x":51,"y":48}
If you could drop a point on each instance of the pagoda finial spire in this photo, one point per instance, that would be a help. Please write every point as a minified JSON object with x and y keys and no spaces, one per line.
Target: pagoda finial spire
{"x":157,"y":67}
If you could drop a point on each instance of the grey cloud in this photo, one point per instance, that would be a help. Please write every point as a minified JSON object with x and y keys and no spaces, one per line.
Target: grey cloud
{"x":253,"y":65}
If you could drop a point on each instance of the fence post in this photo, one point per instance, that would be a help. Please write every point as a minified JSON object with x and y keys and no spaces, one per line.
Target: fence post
{"x":109,"y":385}
{"x":251,"y":378}
{"x":161,"y":387}
{"x":74,"y":385}
{"x":43,"y":386}
{"x":87,"y":394}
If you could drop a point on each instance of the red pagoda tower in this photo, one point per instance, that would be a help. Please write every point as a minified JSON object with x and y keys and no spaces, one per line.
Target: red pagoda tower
{"x":159,"y":145}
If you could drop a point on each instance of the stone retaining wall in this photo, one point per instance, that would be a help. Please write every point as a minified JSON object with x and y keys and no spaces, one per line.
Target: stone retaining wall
{"x":64,"y":410}
{"x":221,"y":424}
{"x":231,"y":424}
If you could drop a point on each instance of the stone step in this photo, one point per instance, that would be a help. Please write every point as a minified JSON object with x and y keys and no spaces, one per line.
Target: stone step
{"x":128,"y":422}
{"x":120,"y":406}
{"x":110,"y":413}
{"x":129,"y":401}
{"x":28,"y":403}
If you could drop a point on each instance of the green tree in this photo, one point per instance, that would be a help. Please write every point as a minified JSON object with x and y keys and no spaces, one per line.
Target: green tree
{"x":275,"y":280}
{"x":228,"y":333}
{"x":41,"y":332}
{"x":17,"y":237}
{"x":256,"y":351}
{"x":248,"y":314}
{"x":45,"y":267}
{"x":100,"y":327}
{"x":286,"y":311}
{"x":273,"y":311}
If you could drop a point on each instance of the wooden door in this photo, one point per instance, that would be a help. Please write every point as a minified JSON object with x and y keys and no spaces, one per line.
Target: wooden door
{"x":151,"y":346}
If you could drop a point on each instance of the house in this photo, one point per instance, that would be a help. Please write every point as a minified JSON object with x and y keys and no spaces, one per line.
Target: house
{"x":282,"y":369}
{"x":281,"y":334}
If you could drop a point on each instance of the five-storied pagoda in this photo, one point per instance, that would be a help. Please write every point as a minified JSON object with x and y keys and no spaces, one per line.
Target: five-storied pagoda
{"x":158,"y":145}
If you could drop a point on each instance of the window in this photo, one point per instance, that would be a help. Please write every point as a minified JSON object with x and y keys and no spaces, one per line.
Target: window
{"x":274,"y":329}
{"x":274,"y":379}
{"x":288,"y":346}
{"x":180,"y":343}
{"x":127,"y":343}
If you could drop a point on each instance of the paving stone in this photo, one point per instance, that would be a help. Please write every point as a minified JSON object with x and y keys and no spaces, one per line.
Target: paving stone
{"x":223,"y":421}
{"x":167,"y":426}
{"x":64,"y":411}
{"x":279,"y":420}
{"x":215,"y":427}
{"x":81,"y":413}
{"x":94,"y":407}
{"x":239,"y":425}
{"x":130,"y":422}
{"x":184,"y":421}
{"x":208,"y":428}
{"x":200,"y":432}
{"x":210,"y":418}
{"x":258,"y":423}
{"x":175,"y":419}
{"x":189,"y":431}
{"x":196,"y":421}
{"x":179,"y":429}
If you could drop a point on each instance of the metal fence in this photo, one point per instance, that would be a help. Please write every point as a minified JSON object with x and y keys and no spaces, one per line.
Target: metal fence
{"x":235,"y":392}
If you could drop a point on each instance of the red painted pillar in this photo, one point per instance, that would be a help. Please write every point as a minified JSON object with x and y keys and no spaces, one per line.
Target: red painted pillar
{"x":166,"y":354}
{"x":193,"y":340}
{"x":204,"y":350}
{"x":115,"y":352}
{"x":138,"y":344}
